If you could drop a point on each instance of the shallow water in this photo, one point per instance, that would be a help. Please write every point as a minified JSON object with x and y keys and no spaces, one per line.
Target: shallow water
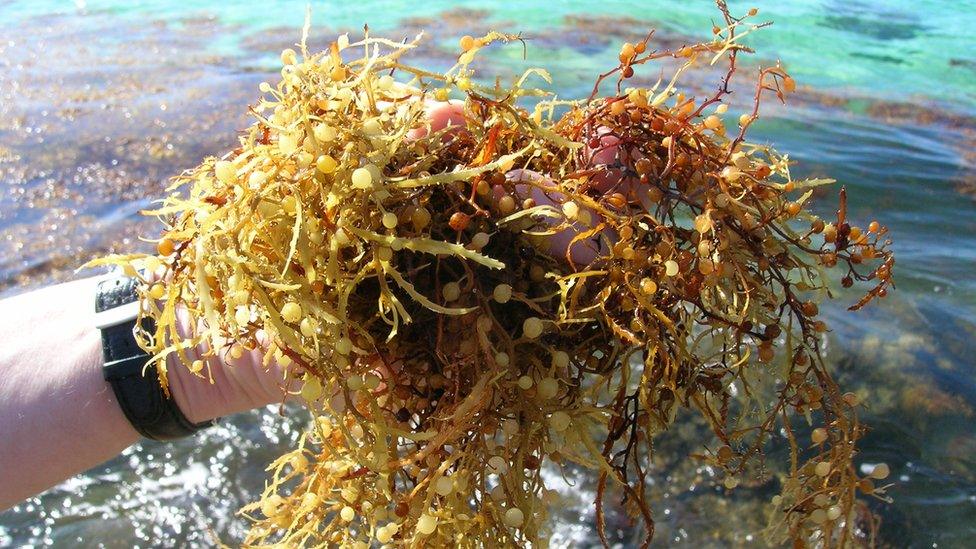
{"x":101,"y":102}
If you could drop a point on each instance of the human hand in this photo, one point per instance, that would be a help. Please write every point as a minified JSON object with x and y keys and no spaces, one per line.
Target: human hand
{"x":233,"y":378}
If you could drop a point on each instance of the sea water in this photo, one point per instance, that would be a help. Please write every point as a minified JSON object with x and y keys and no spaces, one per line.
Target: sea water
{"x":102,"y":102}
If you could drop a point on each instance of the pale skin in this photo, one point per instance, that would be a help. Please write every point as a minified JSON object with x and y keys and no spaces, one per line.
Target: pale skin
{"x":59,"y":417}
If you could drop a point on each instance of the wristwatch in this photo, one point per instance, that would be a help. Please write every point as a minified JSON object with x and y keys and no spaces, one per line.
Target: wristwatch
{"x":137,"y":388}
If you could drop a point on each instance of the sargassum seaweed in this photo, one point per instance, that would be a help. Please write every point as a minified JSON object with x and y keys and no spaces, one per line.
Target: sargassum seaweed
{"x":424,"y":290}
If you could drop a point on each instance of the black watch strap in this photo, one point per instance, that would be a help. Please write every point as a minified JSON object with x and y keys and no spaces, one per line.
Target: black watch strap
{"x":139,"y":392}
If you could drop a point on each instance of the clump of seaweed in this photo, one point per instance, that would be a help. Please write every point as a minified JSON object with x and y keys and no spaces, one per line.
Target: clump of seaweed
{"x":546,"y":282}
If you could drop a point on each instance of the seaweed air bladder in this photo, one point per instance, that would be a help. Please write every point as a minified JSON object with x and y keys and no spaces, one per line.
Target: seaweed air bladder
{"x":538,"y":283}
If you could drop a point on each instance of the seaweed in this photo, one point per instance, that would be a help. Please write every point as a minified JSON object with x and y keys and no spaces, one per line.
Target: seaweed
{"x":548,"y":282}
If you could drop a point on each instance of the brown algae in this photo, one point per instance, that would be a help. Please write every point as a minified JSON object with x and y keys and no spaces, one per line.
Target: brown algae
{"x":548,"y":282}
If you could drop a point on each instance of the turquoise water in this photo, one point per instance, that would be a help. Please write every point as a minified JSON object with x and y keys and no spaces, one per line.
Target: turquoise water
{"x":897,"y":49}
{"x":101,"y":102}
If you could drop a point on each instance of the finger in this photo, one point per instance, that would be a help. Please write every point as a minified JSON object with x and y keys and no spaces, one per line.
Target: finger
{"x":441,"y":115}
{"x":605,"y":153}
{"x":544,"y":192}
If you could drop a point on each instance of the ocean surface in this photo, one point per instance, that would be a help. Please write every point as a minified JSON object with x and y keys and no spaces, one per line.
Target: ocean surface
{"x":102,"y":102}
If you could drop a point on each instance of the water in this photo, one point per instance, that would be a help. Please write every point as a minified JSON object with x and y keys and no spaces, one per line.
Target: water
{"x":101,"y":102}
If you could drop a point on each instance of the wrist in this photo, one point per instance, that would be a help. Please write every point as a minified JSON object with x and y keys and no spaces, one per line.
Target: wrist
{"x":127,"y":368}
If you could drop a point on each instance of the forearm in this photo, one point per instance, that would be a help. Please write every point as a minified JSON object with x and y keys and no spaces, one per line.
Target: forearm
{"x":58,"y":417}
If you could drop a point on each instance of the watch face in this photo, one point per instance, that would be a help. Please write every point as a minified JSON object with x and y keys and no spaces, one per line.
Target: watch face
{"x":114,"y":292}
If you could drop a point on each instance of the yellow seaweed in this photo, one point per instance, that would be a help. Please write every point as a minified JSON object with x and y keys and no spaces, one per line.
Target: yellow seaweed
{"x":464,"y":353}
